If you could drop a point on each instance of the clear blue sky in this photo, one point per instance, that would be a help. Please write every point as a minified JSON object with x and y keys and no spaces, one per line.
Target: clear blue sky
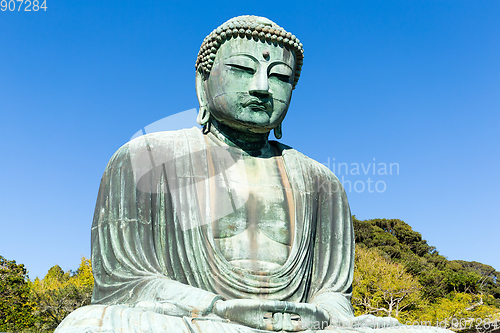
{"x":415,"y":83}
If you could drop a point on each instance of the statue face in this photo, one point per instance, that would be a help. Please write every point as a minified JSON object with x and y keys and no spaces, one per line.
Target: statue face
{"x":250,"y":84}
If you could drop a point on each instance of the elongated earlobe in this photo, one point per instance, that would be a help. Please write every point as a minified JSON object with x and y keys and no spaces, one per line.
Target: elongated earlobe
{"x":278,"y":131}
{"x":203,"y":116}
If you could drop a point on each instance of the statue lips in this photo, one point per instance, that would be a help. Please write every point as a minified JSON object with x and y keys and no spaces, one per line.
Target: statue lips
{"x":259,"y":104}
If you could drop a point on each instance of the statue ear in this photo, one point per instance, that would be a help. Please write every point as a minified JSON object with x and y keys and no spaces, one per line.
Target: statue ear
{"x":203,"y":113}
{"x":278,"y":131}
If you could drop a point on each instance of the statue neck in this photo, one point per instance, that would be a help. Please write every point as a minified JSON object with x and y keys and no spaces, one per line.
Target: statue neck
{"x":243,"y":140}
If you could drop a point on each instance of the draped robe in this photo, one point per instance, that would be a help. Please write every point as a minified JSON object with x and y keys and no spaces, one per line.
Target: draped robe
{"x":155,"y":265}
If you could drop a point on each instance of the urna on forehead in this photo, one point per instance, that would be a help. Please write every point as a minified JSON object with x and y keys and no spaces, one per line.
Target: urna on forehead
{"x":259,"y":29}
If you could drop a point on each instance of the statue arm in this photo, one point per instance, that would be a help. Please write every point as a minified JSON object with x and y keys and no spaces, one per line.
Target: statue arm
{"x":134,"y":261}
{"x":333,"y":259}
{"x":335,"y":304}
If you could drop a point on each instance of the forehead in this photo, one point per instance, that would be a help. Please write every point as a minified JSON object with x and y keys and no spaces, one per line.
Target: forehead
{"x":255,"y":48}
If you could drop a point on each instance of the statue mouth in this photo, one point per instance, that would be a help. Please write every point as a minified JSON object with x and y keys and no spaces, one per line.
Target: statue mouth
{"x":258,"y":104}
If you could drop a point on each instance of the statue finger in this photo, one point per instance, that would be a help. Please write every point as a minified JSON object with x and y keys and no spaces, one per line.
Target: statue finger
{"x":277,"y":324}
{"x":287,"y":323}
{"x":273,"y":306}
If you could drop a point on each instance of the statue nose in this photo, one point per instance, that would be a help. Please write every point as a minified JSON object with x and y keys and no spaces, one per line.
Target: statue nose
{"x":260,"y":84}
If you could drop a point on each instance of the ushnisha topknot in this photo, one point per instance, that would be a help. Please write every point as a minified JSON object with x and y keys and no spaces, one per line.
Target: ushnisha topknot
{"x":248,"y":26}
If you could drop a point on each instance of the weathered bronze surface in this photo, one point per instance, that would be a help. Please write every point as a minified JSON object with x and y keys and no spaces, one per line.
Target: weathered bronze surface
{"x":222,"y":230}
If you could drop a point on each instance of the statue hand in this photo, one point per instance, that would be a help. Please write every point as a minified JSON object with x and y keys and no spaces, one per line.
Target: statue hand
{"x":286,"y":316}
{"x":252,"y":312}
{"x":310,"y":317}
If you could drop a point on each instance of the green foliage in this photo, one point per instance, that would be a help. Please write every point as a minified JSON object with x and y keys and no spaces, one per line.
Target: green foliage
{"x":15,"y":306}
{"x":60,"y":293}
{"x":488,"y":278}
{"x":458,"y":311}
{"x":383,"y":287}
{"x":453,"y":289}
{"x":438,"y":276}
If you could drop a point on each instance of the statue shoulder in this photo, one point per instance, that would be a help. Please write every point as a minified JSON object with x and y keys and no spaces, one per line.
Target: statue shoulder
{"x":312,"y":166}
{"x":156,"y":144}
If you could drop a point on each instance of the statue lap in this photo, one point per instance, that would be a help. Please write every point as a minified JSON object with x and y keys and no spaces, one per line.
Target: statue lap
{"x":122,"y":319}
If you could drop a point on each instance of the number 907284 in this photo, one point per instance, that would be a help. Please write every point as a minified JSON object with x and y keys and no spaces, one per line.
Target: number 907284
{"x":23,"y":5}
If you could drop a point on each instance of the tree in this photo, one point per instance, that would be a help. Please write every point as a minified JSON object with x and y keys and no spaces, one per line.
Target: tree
{"x":15,"y":306}
{"x":60,"y":293}
{"x":459,"y":311}
{"x":454,"y":290}
{"x":488,"y":279}
{"x":438,"y":276}
{"x":382,"y":287}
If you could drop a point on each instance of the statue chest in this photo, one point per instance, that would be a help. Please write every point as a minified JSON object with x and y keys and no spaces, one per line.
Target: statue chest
{"x":256,"y":231}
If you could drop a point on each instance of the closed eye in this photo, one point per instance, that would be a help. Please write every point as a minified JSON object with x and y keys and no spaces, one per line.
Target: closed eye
{"x":281,"y":77}
{"x":242,"y":68}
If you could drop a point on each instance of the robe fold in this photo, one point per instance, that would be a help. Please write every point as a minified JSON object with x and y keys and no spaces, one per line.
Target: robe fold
{"x":155,"y":264}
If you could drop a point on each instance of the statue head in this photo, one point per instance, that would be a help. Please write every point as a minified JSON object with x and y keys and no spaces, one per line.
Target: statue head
{"x":245,"y":73}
